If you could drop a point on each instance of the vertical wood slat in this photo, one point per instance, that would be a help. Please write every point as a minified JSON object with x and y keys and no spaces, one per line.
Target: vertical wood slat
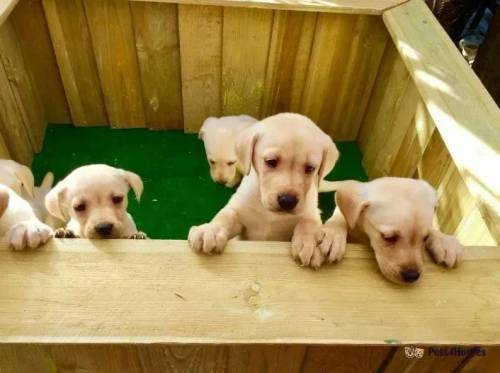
{"x":29,"y":22}
{"x":73,"y":48}
{"x":110,"y":26}
{"x":246,"y":40}
{"x":200,"y":35}
{"x":345,"y":59}
{"x":289,"y":54}
{"x":22,"y":86}
{"x":157,"y":44}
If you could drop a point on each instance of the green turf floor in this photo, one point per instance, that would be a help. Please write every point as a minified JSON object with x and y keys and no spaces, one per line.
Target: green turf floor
{"x":178,"y":190}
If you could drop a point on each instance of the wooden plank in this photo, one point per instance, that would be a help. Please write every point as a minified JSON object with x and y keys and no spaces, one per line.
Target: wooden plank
{"x":157,"y":44}
{"x":246,"y":41}
{"x":289,"y":54}
{"x":188,"y":298}
{"x":487,"y":362}
{"x":200,"y":35}
{"x":266,"y":358}
{"x":4,"y":150}
{"x":464,"y":112}
{"x":6,"y":7}
{"x":11,"y":123}
{"x":22,"y":85}
{"x":332,"y":6}
{"x":67,"y":22}
{"x":30,"y":25}
{"x":110,"y":26}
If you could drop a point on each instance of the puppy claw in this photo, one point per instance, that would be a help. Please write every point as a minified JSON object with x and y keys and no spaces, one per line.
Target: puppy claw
{"x":333,"y":243}
{"x":444,"y":249}
{"x":138,"y":236}
{"x":305,"y":251}
{"x":64,"y":233}
{"x":207,"y":238}
{"x":31,"y":234}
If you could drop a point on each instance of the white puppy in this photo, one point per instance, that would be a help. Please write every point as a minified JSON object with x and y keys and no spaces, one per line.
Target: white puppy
{"x":94,"y":199}
{"x":284,"y":158}
{"x":18,"y":222}
{"x":394,"y":216}
{"x":219,"y":137}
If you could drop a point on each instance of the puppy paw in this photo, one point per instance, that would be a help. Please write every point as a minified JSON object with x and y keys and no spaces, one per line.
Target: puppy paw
{"x":333,"y":243}
{"x":138,"y":236}
{"x":64,"y":233}
{"x":207,"y":238}
{"x":31,"y":234}
{"x":444,"y":249}
{"x":305,"y":249}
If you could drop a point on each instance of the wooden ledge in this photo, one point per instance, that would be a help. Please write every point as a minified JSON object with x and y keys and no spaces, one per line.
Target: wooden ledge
{"x":80,"y":291}
{"x":374,"y":7}
{"x":6,"y":7}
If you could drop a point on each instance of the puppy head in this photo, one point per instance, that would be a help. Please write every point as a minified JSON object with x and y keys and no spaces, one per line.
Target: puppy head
{"x":219,"y":147}
{"x":95,"y":196}
{"x":396,"y":215}
{"x":17,"y":177}
{"x":289,"y":154}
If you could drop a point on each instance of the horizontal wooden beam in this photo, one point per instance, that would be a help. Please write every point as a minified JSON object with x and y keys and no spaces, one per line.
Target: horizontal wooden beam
{"x":464,"y":113}
{"x":331,"y":6}
{"x":6,"y":7}
{"x":116,"y":291}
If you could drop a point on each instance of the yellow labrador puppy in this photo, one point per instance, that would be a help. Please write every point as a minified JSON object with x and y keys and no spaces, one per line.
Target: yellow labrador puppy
{"x":19,"y":223}
{"x":219,"y":137}
{"x":394,"y":216}
{"x":94,"y":199}
{"x":284,"y":157}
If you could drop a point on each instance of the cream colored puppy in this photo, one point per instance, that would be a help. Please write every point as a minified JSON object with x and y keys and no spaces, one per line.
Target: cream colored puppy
{"x":394,"y":216}
{"x":94,"y":199}
{"x":283,"y":157}
{"x":219,"y":137}
{"x":18,"y":222}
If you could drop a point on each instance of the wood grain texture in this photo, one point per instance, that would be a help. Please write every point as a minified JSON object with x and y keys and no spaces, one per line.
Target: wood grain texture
{"x":6,"y":7}
{"x":463,"y":111}
{"x":187,"y":298}
{"x":157,"y":44}
{"x":67,"y":22}
{"x":333,"y":6}
{"x":288,"y":61}
{"x":110,"y":26}
{"x":22,"y":85}
{"x":246,"y":41}
{"x":200,"y":35}
{"x":344,"y":63}
{"x":4,"y":150}
{"x":12,"y":126}
{"x":487,"y":363}
{"x":28,"y":20}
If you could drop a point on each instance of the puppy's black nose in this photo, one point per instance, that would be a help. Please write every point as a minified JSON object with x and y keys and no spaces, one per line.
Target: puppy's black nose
{"x":410,"y":275}
{"x":221,"y":182}
{"x":104,"y":229}
{"x":287,"y":201}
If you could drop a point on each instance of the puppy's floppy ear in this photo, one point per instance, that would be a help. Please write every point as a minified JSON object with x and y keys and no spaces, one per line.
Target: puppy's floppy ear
{"x":55,"y":201}
{"x":203,"y":128}
{"x":429,"y":192}
{"x":330,"y":157}
{"x":135,"y":182}
{"x":25,"y":175}
{"x":4,"y":201}
{"x":245,"y":146}
{"x":351,"y":201}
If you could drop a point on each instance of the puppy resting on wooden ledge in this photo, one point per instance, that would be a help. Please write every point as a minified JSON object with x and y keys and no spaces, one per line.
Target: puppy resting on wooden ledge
{"x":94,"y":199}
{"x":394,"y":216}
{"x":284,"y":157}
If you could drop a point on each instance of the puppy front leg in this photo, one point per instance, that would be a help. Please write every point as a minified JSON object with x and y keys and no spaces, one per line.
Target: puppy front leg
{"x":306,"y":235}
{"x":334,"y":240}
{"x":212,"y":237}
{"x":444,"y":249}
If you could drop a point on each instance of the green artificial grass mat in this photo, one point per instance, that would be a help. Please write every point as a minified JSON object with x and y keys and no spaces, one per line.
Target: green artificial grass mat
{"x":178,"y":190}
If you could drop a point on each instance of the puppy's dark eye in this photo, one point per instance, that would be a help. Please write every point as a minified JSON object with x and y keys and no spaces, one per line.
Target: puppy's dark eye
{"x":392,"y":238}
{"x":117,"y":199}
{"x":80,"y":207}
{"x":231,"y":163}
{"x":272,"y":163}
{"x":212,"y":161}
{"x":309,"y":169}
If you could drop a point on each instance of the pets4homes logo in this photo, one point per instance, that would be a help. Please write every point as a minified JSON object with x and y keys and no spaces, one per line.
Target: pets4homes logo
{"x":414,"y":352}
